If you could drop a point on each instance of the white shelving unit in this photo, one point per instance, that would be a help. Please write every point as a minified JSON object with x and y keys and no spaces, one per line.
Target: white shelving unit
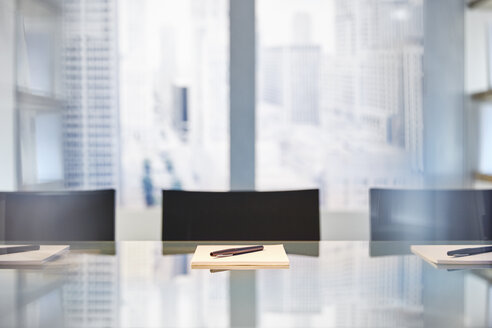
{"x":479,"y":78}
{"x":483,"y":4}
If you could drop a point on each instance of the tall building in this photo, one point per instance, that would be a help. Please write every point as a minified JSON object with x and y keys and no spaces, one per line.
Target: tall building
{"x":373,"y":80}
{"x":291,"y":79}
{"x":271,"y":90}
{"x":91,"y":115}
{"x":97,"y":278}
{"x":413,"y":99}
{"x":303,"y":83}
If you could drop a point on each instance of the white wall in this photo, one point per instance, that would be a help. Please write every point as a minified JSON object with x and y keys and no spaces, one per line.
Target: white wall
{"x":8,"y":155}
{"x":138,"y":224}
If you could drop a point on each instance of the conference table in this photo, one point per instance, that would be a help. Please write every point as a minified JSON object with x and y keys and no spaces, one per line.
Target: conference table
{"x":328,"y":284}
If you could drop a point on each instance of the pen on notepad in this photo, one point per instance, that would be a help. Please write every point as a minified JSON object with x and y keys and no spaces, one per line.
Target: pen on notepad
{"x":470,"y":251}
{"x":236,"y":251}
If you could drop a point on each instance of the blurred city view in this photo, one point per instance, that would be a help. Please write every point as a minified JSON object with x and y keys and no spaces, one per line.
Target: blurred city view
{"x":340,"y":97}
{"x":142,"y":91}
{"x":173,"y":97}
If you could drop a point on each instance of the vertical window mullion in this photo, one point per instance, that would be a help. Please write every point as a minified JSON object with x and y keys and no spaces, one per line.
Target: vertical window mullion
{"x":242,"y":94}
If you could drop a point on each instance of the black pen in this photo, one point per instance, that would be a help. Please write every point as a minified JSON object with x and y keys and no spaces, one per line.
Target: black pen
{"x":236,"y":251}
{"x":470,"y":251}
{"x":18,"y":249}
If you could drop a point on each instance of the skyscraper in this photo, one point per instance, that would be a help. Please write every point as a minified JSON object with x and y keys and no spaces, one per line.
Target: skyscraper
{"x":413,"y":99}
{"x":90,"y":119}
{"x":303,"y":83}
{"x":97,"y":277}
{"x":291,"y":79}
{"x":374,"y":80}
{"x":291,"y":75}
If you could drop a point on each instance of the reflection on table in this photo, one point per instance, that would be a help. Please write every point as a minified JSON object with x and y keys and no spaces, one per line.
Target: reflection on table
{"x":143,"y":285}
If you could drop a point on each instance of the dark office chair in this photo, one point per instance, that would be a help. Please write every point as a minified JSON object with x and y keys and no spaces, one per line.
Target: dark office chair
{"x":431,"y":214}
{"x":240,"y":215}
{"x":57,"y":216}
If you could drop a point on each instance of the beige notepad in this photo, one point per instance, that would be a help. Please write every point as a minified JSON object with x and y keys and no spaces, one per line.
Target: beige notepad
{"x":436,"y":254}
{"x":38,"y":257}
{"x":271,"y":257}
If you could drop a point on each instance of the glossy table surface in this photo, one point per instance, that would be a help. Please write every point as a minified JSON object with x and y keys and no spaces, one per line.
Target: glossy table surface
{"x":328,"y":284}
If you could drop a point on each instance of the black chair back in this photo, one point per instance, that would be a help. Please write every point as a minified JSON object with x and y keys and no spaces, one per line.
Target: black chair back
{"x":398,"y":214}
{"x":240,"y":215}
{"x":57,"y":216}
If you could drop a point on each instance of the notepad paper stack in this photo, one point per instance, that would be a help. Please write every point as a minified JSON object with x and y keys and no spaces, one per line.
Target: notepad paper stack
{"x":32,"y":258}
{"x":271,"y":257}
{"x":437,"y":256}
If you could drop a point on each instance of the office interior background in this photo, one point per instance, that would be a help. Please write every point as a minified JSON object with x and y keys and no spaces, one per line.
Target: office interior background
{"x":340,"y":95}
{"x":346,"y":95}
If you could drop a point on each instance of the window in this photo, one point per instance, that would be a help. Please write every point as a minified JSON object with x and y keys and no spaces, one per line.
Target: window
{"x":339,"y":97}
{"x":142,"y":88}
{"x":173,"y":97}
{"x":144,"y":97}
{"x":38,"y":96}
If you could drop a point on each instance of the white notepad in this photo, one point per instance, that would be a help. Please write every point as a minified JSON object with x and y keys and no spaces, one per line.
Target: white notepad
{"x":271,"y":257}
{"x":38,"y":257}
{"x":437,"y":254}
